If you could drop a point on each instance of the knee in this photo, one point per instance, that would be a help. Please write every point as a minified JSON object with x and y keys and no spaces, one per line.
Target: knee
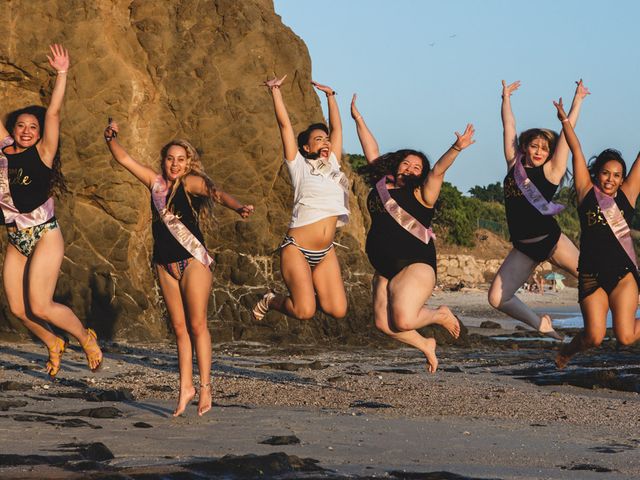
{"x":592,"y":340}
{"x":39,"y":308}
{"x":304,"y":311}
{"x":199,"y":329}
{"x":18,"y":311}
{"x":495,"y":297}
{"x":338,"y":312}
{"x":625,"y":339}
{"x":402,"y":321}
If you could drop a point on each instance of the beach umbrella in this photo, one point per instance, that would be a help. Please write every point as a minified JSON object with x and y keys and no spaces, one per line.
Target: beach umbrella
{"x":554,"y":276}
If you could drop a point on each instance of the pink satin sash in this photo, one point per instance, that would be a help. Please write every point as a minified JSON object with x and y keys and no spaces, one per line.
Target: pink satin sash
{"x":531,"y":192}
{"x":191,"y":244}
{"x":11,"y":214}
{"x":400,"y":215}
{"x":616,"y":222}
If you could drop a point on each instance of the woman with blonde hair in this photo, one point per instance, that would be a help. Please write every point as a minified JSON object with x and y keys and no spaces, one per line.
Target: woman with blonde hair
{"x":182,"y":199}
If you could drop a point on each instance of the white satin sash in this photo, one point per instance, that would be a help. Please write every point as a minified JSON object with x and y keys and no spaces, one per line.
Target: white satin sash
{"x":11,"y":214}
{"x":400,"y":215}
{"x":616,"y":222}
{"x":188,"y":240}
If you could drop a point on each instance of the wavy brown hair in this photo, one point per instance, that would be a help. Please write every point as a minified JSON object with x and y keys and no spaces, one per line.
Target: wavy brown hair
{"x":194,"y":167}
{"x":58,"y":184}
{"x":528,"y":136}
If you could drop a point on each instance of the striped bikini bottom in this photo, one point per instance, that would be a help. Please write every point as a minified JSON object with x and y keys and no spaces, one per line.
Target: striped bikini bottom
{"x":313,"y":257}
{"x":176,"y":269}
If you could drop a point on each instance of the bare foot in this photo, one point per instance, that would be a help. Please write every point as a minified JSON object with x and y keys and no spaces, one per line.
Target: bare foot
{"x":430,"y":352}
{"x":204,"y":402}
{"x":562,"y":358}
{"x":546,"y":328}
{"x":185,"y":397}
{"x":448,"y":320}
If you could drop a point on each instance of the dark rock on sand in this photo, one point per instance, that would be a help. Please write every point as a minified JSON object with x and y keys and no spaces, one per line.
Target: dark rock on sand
{"x":399,"y":475}
{"x":16,"y":386}
{"x":142,"y":425}
{"x":118,"y":395}
{"x":369,"y":404}
{"x":281,"y":440}
{"x":490,"y":324}
{"x":68,"y":422}
{"x":293,"y":367}
{"x":256,"y":466}
{"x":100,"y":412}
{"x":96,"y":451}
{"x":7,"y":404}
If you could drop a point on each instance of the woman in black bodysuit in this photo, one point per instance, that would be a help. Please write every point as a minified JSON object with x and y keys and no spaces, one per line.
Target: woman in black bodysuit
{"x":406,"y":266}
{"x":535,"y":237}
{"x":36,"y":247}
{"x":185,"y":280}
{"x":608,"y":277}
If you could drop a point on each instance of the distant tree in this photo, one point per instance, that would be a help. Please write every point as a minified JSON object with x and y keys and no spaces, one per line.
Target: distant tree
{"x":452,"y":219}
{"x":491,"y":193}
{"x":356,"y":161}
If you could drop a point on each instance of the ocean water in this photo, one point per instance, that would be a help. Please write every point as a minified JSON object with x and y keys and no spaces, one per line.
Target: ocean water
{"x":573,"y":319}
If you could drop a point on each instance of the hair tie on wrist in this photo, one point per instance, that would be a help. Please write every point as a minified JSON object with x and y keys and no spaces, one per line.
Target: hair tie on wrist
{"x":565,"y":120}
{"x":457,"y":149}
{"x":358,"y":117}
{"x":61,"y":71}
{"x":332,"y":94}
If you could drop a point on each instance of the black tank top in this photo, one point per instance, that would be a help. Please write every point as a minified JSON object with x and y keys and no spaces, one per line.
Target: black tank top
{"x":166,"y":249}
{"x":600,"y":250}
{"x":29,"y":179}
{"x":386,"y":231}
{"x":523,"y":219}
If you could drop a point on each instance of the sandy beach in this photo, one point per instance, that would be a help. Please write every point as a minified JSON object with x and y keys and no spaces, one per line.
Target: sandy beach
{"x":496,"y":409}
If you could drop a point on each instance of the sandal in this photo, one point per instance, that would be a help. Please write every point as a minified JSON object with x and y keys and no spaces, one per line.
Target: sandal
{"x":262,"y":307}
{"x":55,"y":355}
{"x":92,"y":350}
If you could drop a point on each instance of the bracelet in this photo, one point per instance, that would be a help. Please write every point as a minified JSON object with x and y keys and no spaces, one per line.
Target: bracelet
{"x":332,"y":94}
{"x":358,"y":117}
{"x":457,"y":149}
{"x":61,"y":71}
{"x":564,"y":120}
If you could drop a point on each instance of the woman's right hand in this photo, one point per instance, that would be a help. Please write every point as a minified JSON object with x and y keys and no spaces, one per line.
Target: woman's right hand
{"x":562,"y":115}
{"x":275,"y":82}
{"x":507,"y":90}
{"x":111,"y":131}
{"x":581,"y":90}
{"x":355,"y":114}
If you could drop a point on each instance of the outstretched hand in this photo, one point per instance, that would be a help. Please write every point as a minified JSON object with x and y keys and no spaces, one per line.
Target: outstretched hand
{"x":275,"y":82}
{"x":562,"y":115}
{"x":323,"y":88}
{"x":59,"y":59}
{"x":507,"y":90}
{"x":111,"y":131}
{"x":355,"y":114}
{"x":581,"y":90}
{"x":245,"y":210}
{"x":466,"y":139}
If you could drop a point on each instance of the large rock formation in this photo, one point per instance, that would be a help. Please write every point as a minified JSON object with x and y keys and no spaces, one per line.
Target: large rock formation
{"x":176,"y":68}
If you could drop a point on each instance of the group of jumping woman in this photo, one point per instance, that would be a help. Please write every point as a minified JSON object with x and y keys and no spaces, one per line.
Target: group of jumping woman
{"x":400,"y":242}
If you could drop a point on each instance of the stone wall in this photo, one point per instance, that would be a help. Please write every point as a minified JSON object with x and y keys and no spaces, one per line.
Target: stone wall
{"x":471,"y":271}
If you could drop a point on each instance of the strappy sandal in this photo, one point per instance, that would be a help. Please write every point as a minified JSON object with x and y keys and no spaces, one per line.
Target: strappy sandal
{"x":55,"y":356}
{"x":92,"y":350}
{"x":262,"y":307}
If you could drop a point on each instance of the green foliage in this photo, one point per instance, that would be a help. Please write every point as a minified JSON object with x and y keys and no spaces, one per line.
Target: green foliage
{"x":452,"y":218}
{"x":356,"y":161}
{"x":491,"y":193}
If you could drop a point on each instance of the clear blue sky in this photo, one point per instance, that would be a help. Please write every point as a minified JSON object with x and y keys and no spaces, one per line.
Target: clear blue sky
{"x":423,"y":69}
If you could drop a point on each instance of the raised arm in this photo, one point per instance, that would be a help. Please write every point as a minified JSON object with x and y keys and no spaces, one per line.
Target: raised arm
{"x":143,"y":173}
{"x":581,"y":177}
{"x":335,"y":123}
{"x":557,"y":165}
{"x":509,"y":123}
{"x":59,"y":60}
{"x":284,"y":123}
{"x":431,"y":188}
{"x":631,"y":185}
{"x":197,"y":185}
{"x":367,"y":140}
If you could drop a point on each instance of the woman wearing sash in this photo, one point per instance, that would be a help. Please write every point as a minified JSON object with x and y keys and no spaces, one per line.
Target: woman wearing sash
{"x":182,"y":199}
{"x":400,"y":242}
{"x":536,"y":164}
{"x":308,"y":261}
{"x":608,"y":269}
{"x":29,"y":174}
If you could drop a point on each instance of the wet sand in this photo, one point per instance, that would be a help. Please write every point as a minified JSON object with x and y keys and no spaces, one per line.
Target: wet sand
{"x":494,"y":410}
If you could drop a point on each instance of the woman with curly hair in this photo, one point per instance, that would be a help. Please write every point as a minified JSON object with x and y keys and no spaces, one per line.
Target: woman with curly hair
{"x":29,"y":175}
{"x":536,"y":164}
{"x":400,"y":243}
{"x":182,"y":197}
{"x":608,"y":268}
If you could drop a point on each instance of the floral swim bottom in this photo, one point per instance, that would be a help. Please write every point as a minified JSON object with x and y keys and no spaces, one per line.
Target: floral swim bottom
{"x":26,"y":239}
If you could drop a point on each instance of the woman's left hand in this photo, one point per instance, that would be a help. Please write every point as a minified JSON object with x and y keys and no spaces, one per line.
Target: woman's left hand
{"x":323,"y":88}
{"x":59,"y":59}
{"x":466,"y":139}
{"x":245,"y":210}
{"x":562,"y":115}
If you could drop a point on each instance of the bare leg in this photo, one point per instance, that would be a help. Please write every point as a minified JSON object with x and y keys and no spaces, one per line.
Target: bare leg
{"x":565,"y":255}
{"x":328,"y":284}
{"x":195,"y":287}
{"x":175,"y":307}
{"x":594,"y":312}
{"x":623,"y":302}
{"x":382,"y":318}
{"x":301,"y":302}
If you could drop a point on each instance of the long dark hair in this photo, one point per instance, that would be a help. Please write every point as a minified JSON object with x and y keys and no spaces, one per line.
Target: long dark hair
{"x":58,"y":184}
{"x":597,"y":162}
{"x":388,"y":163}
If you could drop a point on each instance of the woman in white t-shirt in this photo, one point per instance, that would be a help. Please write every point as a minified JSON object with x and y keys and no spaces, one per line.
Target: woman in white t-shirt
{"x":308,"y":261}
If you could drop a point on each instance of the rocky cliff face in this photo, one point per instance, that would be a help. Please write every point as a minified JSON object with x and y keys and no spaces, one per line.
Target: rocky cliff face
{"x":176,"y":68}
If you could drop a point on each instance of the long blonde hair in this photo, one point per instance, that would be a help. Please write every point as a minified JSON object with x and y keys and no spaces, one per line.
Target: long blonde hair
{"x":194,"y":167}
